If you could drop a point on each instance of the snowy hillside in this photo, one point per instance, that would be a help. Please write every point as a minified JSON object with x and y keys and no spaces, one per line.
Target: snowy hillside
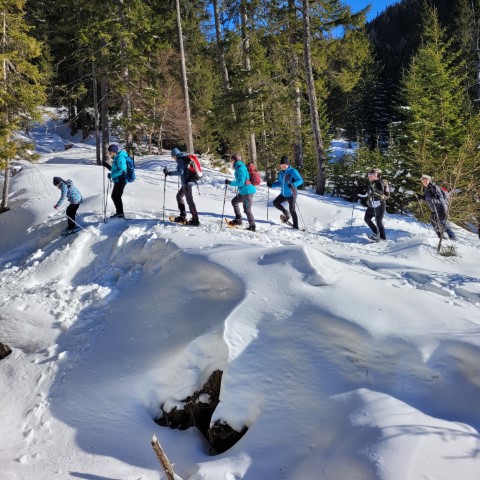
{"x":344,"y":359}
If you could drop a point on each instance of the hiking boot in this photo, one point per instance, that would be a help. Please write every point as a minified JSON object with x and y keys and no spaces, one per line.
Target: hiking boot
{"x":117,"y":215}
{"x":252,"y":228}
{"x":285,"y":218}
{"x":194,"y":222}
{"x":374,"y":238}
{"x":237,"y":221}
{"x":180,"y":219}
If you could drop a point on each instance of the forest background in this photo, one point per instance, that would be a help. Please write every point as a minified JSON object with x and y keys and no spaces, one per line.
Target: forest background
{"x":263,"y":79}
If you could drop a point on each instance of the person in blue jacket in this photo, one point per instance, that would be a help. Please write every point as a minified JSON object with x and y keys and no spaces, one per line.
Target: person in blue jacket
{"x":289,"y":180}
{"x":70,"y":192}
{"x":246,"y":190}
{"x":118,"y":175}
{"x":187,"y":180}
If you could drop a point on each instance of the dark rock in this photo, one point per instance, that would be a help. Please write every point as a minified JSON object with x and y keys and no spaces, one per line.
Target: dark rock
{"x":4,"y":351}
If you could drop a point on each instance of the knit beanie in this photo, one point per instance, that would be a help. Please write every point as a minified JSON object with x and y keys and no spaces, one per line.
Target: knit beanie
{"x":113,"y":148}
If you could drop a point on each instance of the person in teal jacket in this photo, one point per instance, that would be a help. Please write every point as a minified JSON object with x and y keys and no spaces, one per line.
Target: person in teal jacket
{"x":118,"y":175}
{"x":246,"y":190}
{"x":289,"y":180}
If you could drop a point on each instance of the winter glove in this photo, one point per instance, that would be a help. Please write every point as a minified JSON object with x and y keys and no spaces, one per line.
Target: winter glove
{"x":55,"y":207}
{"x":227,"y":181}
{"x":109,"y":176}
{"x":269,"y":184}
{"x":165,"y":171}
{"x":290,"y":186}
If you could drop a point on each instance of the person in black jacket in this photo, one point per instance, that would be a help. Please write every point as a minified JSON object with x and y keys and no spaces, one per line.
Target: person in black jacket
{"x":187,"y":179}
{"x":376,"y":195}
{"x":437,"y":201}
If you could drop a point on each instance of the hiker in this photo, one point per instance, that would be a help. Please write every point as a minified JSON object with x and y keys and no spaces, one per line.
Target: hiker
{"x":187,"y":179}
{"x":377,"y":192}
{"x":118,"y":175}
{"x":70,"y":192}
{"x":246,"y":190}
{"x":437,"y":201}
{"x":289,"y":180}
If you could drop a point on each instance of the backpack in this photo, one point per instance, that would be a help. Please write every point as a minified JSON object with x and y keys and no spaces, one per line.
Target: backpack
{"x":195,"y":167}
{"x":130,"y":169}
{"x":255,"y":177}
{"x":386,"y":188}
{"x":445,"y":194}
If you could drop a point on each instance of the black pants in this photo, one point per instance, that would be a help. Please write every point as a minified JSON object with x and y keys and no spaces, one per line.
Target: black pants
{"x":277,"y":203}
{"x":71,"y":212}
{"x":377,"y":213}
{"x":247,"y":207}
{"x":186,"y":191}
{"x":117,"y":193}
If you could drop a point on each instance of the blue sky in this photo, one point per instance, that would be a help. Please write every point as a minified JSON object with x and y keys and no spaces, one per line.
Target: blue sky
{"x":377,"y":6}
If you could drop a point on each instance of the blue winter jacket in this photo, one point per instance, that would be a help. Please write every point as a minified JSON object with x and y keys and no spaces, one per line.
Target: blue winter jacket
{"x":118,"y":172}
{"x":186,"y":175}
{"x":290,"y":175}
{"x":242,"y":179}
{"x":70,"y":192}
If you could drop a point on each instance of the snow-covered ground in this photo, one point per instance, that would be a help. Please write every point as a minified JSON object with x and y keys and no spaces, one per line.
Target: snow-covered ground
{"x":345,"y":360}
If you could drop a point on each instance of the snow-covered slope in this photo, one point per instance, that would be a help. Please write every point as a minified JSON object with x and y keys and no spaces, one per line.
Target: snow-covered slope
{"x":345,"y":359}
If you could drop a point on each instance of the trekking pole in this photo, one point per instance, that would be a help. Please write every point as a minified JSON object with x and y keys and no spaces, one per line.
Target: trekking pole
{"x":351,"y":220}
{"x":78,"y":225}
{"x":223,"y":209}
{"x":300,"y":214}
{"x":105,"y":204}
{"x":268,"y":198}
{"x":164,"y":190}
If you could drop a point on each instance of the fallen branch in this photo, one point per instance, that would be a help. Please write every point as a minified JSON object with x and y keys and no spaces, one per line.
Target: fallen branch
{"x":167,"y":466}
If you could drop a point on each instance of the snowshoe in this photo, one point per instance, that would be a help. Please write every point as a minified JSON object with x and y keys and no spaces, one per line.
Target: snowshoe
{"x":374,"y":238}
{"x":285,"y":219}
{"x":180,"y":219}
{"x":117,"y":215}
{"x":70,"y":231}
{"x":235,"y":223}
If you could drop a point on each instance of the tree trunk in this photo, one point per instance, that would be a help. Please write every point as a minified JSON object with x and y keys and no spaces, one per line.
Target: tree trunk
{"x":184,"y":80}
{"x":95,"y":113}
{"x":312,"y":100}
{"x":127,"y":99}
{"x":6,"y":188}
{"x":221,"y":56}
{"x":104,"y":118}
{"x":6,"y":183}
{"x":297,"y":96}
{"x":252,"y":146}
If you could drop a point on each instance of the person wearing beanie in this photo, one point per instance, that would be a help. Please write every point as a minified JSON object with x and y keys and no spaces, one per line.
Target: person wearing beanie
{"x":187,"y":179}
{"x":118,"y":176}
{"x":246,"y":190}
{"x":70,"y":192}
{"x":288,"y":180}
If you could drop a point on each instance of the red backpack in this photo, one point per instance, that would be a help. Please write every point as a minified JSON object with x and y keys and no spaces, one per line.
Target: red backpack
{"x":195,"y":167}
{"x":255,"y":177}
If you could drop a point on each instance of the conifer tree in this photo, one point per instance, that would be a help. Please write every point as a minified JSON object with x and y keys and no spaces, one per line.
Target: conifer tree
{"x":21,"y":89}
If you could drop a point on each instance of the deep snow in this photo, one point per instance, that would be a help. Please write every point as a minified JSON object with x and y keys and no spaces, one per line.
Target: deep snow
{"x":345,"y":359}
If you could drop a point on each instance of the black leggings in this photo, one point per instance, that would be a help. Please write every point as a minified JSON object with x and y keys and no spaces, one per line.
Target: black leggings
{"x":378,"y":213}
{"x":117,"y":193}
{"x":71,"y":212}
{"x":277,"y":203}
